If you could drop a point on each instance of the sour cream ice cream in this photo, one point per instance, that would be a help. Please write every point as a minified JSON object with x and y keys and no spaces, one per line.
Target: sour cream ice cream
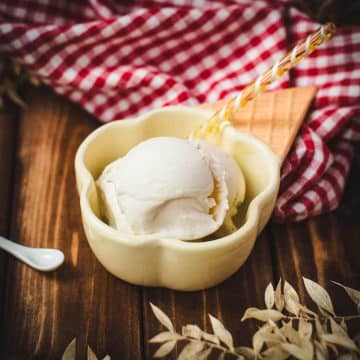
{"x":171,"y":188}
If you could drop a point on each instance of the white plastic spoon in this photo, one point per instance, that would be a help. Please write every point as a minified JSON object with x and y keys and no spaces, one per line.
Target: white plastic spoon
{"x":38,"y":258}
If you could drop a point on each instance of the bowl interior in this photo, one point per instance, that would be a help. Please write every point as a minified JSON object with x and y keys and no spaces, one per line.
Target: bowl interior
{"x":116,"y":139}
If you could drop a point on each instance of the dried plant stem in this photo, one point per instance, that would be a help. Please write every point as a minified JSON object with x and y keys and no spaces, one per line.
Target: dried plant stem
{"x":12,"y":77}
{"x":352,"y":317}
{"x":209,"y":344}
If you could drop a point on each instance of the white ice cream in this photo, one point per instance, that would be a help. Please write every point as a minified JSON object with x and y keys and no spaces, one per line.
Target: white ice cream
{"x":171,"y":188}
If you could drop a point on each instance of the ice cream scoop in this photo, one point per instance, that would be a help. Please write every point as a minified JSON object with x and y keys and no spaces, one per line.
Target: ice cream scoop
{"x":171,"y":188}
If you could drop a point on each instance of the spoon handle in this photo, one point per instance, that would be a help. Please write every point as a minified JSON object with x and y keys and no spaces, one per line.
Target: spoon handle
{"x":13,"y":248}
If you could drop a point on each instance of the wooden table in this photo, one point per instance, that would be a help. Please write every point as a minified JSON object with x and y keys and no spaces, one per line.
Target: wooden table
{"x":42,"y":313}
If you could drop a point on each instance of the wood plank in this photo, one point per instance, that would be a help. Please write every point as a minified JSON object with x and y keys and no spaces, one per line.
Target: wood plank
{"x":227,"y":301}
{"x":44,"y":312}
{"x":8,"y":131}
{"x":323,"y":248}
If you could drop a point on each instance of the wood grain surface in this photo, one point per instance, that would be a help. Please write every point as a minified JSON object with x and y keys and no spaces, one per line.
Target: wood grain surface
{"x":42,"y":313}
{"x":8,"y":130}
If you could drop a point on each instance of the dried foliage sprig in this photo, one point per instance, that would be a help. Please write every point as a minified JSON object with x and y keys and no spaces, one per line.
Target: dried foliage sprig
{"x":289,"y":329}
{"x":70,"y":353}
{"x":12,"y":77}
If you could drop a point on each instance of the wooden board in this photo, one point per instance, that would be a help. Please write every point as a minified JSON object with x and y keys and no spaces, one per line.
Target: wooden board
{"x":42,"y":313}
{"x":274,"y":117}
{"x":8,"y":131}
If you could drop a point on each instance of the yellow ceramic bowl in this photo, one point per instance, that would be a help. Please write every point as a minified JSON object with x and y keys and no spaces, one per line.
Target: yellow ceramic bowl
{"x":175,"y":264}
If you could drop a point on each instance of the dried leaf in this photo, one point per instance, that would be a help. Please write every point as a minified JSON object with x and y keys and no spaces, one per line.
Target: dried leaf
{"x":296,"y":351}
{"x":292,"y":306}
{"x":190,"y":350}
{"x":305,"y":328}
{"x":275,"y":353}
{"x":307,"y":311}
{"x":16,"y":68}
{"x":162,"y":317}
{"x":70,"y":351}
{"x":318,"y":327}
{"x":340,"y":340}
{"x":353,"y":294}
{"x":291,"y":334}
{"x":34,"y":80}
{"x":343,"y":325}
{"x":258,"y":338}
{"x":337,"y":328}
{"x":204,"y":354}
{"x":245,"y":351}
{"x":270,"y":334}
{"x":278,"y":332}
{"x":11,"y":93}
{"x":333,"y":348}
{"x":90,"y":354}
{"x":269,"y":296}
{"x":192,"y":331}
{"x":319,"y":295}
{"x":164,"y":349}
{"x":291,"y":297}
{"x":262,"y":315}
{"x":308,"y":347}
{"x":321,"y":351}
{"x":279,"y":297}
{"x":223,"y":334}
{"x":290,"y":291}
{"x":271,"y":339}
{"x":272,"y":324}
{"x":165,"y":336}
{"x":258,"y":342}
{"x":210,"y":338}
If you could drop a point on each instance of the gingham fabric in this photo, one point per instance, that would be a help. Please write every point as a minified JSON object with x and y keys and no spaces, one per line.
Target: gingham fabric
{"x":118,"y":61}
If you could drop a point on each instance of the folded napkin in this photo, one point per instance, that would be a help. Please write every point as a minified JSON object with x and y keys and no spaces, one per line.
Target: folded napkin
{"x":119,"y":60}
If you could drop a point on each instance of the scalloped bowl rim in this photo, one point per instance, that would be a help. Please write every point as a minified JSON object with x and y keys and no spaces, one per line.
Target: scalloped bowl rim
{"x":254,"y":207}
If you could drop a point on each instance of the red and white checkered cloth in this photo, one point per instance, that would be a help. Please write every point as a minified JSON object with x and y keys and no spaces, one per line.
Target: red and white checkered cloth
{"x":121,"y":60}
